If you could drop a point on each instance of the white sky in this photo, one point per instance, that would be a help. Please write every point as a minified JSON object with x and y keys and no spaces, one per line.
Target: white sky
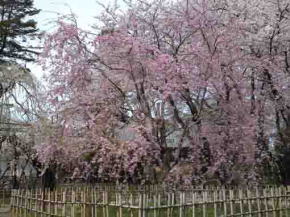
{"x":85,"y":10}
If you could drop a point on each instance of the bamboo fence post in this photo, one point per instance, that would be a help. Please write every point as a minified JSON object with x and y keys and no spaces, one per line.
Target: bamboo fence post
{"x":21,"y":202}
{"x":26,"y":202}
{"x":117,"y":202}
{"x":102,"y":192}
{"x":82,"y":203}
{"x":16,"y":202}
{"x":215,"y":202}
{"x":76,"y":206}
{"x":30,"y":208}
{"x":93,"y":202}
{"x":159,"y":205}
{"x":273,"y":202}
{"x":154,"y":205}
{"x":103,"y":204}
{"x":89,"y":202}
{"x":280,"y":202}
{"x":64,"y":202}
{"x":283,"y":201}
{"x":286,"y":201}
{"x":231,"y":194}
{"x":107,"y":203}
{"x":12,"y":199}
{"x":35,"y":203}
{"x":73,"y":201}
{"x":193,"y":204}
{"x":41,"y":202}
{"x":38,"y":203}
{"x":258,"y":199}
{"x":283,"y":204}
{"x":45,"y":201}
{"x":249,"y":199}
{"x":145,"y":204}
{"x":85,"y":200}
{"x":140,"y":205}
{"x":31,"y":202}
{"x":240,"y":192}
{"x":52,"y":197}
{"x":24,"y":205}
{"x":49,"y":202}
{"x":131,"y":205}
{"x":120,"y":205}
{"x":180,"y":204}
{"x":204,"y":204}
{"x":98,"y":194}
{"x":183,"y":203}
{"x":55,"y":202}
{"x":224,"y":201}
{"x":79,"y":200}
{"x":168,"y":204}
{"x":265,"y":195}
{"x":172,"y":204}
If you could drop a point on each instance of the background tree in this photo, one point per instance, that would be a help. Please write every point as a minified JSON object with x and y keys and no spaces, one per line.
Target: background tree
{"x":16,"y":29}
{"x":19,"y":110}
{"x":17,"y":85}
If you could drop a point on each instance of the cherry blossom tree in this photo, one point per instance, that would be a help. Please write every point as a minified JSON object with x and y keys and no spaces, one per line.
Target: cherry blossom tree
{"x":193,"y":72}
{"x":266,"y":26}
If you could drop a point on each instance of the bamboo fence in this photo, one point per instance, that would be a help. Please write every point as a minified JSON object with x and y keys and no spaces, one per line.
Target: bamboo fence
{"x":5,"y":195}
{"x":96,"y":202}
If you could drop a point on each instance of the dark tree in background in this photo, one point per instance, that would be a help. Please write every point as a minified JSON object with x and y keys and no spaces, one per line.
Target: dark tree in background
{"x":16,"y":28}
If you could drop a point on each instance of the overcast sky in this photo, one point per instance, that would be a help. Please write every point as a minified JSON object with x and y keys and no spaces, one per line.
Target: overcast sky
{"x":50,"y":9}
{"x":85,"y":10}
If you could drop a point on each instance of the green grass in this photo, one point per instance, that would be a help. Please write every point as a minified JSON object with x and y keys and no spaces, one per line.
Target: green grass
{"x":187,"y":212}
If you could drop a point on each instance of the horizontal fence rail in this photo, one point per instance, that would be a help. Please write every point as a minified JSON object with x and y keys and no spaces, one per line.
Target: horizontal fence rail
{"x":100,"y":202}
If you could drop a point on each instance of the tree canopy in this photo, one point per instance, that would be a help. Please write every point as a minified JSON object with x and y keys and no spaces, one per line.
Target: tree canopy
{"x":209,"y":76}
